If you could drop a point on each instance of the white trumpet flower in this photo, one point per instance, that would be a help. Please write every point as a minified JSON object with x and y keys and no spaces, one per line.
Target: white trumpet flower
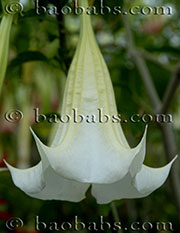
{"x":89,"y":154}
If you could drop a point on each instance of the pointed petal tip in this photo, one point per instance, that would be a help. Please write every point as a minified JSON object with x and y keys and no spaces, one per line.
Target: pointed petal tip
{"x":176,"y":157}
{"x":149,"y":179}
{"x":144,"y":134}
{"x":140,"y":152}
{"x":145,"y":130}
{"x":8,"y":165}
{"x":37,"y":140}
{"x":33,"y":133}
{"x":143,"y":139}
{"x":42,"y":148}
{"x":30,"y":180}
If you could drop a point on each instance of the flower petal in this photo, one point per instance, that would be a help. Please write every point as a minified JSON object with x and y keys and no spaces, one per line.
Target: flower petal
{"x":139,"y":159}
{"x":43,"y":183}
{"x":47,"y":186}
{"x":29,"y":180}
{"x":146,"y":181}
{"x":123,"y":189}
{"x":99,"y":162}
{"x":58,"y":188}
{"x":149,"y":179}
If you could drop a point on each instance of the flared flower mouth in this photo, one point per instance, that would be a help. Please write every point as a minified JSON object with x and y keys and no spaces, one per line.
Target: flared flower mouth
{"x":89,"y":154}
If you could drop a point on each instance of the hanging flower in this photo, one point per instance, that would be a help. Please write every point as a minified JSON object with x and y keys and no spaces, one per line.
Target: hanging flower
{"x":89,"y":154}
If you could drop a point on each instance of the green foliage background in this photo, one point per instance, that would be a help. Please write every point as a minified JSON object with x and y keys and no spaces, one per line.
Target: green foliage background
{"x":41,"y":50}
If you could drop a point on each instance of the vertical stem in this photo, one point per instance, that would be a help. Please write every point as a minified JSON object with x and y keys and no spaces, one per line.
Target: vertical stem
{"x":62,"y":41}
{"x":171,"y":90}
{"x":141,"y":65}
{"x":62,"y":35}
{"x":115,"y":215}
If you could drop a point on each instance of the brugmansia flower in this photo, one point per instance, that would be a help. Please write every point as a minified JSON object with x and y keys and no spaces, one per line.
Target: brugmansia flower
{"x":5,"y":29}
{"x":84,"y":154}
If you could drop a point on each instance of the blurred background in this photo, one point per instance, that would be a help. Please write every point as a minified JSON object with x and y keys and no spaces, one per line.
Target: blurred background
{"x":136,"y":49}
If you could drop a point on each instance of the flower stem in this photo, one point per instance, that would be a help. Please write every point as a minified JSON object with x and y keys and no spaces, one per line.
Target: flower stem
{"x":115,"y":215}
